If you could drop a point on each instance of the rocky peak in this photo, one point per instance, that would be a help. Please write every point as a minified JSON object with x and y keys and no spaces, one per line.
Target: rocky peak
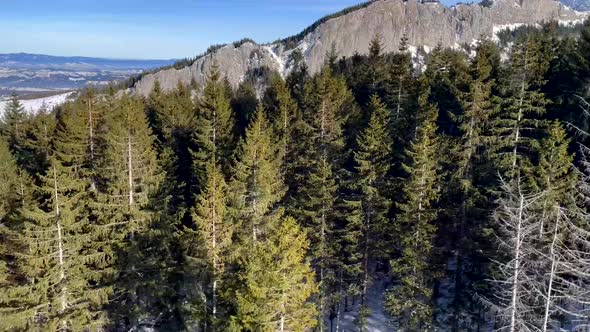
{"x":426,"y":23}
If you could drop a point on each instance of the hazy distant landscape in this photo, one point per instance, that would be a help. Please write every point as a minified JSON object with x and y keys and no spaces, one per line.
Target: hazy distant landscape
{"x":29,"y":74}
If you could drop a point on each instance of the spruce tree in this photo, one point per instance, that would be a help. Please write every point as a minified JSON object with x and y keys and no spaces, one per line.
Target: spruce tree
{"x":366,"y":233}
{"x":400,"y":88}
{"x":14,"y":128}
{"x":131,"y":179}
{"x":215,"y":126}
{"x":277,"y":283}
{"x":215,"y":230}
{"x":257,"y":184}
{"x":556,"y":179}
{"x":513,"y":127}
{"x":14,"y":195}
{"x":468,"y":239}
{"x":322,"y":143}
{"x":39,"y":140}
{"x":63,"y":292}
{"x":67,"y":259}
{"x":410,"y":299}
{"x":284,"y":114}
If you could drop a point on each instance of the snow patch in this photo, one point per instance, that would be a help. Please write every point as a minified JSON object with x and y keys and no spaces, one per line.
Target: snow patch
{"x":33,"y":106}
{"x":570,"y":23}
{"x":281,"y":62}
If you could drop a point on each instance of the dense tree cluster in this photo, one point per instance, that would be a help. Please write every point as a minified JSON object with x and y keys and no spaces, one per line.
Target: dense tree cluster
{"x":454,"y":197}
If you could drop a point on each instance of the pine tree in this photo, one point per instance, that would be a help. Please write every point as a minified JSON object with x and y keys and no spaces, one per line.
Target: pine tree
{"x":257,"y":183}
{"x":367,"y":231}
{"x":277,"y":283}
{"x":131,"y":179}
{"x":400,"y":88}
{"x":215,"y":230}
{"x":283,"y":113}
{"x":14,"y":128}
{"x":215,"y":126}
{"x":411,"y":297}
{"x":513,"y":127}
{"x":39,"y":140}
{"x":14,"y":195}
{"x":62,"y":291}
{"x":470,"y":223}
{"x":321,"y":160}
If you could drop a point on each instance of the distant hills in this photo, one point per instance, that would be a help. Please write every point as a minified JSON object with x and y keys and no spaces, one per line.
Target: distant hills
{"x":27,"y":73}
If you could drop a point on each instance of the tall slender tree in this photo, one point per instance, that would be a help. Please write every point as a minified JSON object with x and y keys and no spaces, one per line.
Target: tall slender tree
{"x":366,"y":237}
{"x":411,"y":297}
{"x":131,"y":179}
{"x":215,"y":126}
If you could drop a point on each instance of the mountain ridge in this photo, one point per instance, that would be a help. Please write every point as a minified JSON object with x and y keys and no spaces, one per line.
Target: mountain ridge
{"x":426,"y":24}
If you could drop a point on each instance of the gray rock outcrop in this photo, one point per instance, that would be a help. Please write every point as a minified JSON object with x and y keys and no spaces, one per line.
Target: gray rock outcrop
{"x":426,"y":24}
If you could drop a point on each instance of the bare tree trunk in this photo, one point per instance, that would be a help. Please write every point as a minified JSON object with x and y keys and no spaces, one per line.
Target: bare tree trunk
{"x":60,"y":249}
{"x":554,"y":258}
{"x":130,"y":169}
{"x":517,"y":262}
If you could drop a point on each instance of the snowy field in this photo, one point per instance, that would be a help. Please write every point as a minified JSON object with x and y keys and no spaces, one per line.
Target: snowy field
{"x":34,"y":105}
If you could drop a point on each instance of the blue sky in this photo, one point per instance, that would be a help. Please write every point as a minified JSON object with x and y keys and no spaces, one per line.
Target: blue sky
{"x":151,"y":29}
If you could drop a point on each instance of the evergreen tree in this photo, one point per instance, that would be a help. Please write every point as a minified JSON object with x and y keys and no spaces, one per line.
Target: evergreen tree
{"x":215,"y":230}
{"x":513,"y":127}
{"x":14,"y":195}
{"x":366,"y":233}
{"x":400,"y":88}
{"x":63,"y":292}
{"x":283,"y":113}
{"x":317,"y":191}
{"x":215,"y":126}
{"x":14,"y":128}
{"x":39,"y":140}
{"x":277,"y":283}
{"x":257,"y":182}
{"x":556,"y":180}
{"x":131,"y":179}
{"x":411,"y":297}
{"x":468,"y":229}
{"x":244,"y":106}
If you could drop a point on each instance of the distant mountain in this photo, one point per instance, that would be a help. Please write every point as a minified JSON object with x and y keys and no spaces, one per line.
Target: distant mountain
{"x":25,"y":73}
{"x":426,"y":23}
{"x":579,"y":5}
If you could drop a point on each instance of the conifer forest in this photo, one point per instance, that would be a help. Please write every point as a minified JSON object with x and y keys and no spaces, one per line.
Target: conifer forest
{"x":447,"y":195}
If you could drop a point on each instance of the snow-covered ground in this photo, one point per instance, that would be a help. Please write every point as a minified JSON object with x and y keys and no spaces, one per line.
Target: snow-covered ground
{"x":378,"y":320}
{"x":34,"y":105}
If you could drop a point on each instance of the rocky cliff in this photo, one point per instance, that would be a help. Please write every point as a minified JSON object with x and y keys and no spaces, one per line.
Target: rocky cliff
{"x":425,"y":23}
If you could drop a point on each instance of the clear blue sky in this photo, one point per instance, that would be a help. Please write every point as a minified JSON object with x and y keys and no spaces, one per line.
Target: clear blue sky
{"x":151,"y":29}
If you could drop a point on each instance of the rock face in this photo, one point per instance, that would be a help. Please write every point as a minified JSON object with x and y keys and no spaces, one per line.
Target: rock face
{"x":425,"y":23}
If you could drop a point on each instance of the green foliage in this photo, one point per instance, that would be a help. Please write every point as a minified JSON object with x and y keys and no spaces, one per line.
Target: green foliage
{"x":257,"y":183}
{"x":411,"y":298}
{"x":277,"y":283}
{"x":513,"y":127}
{"x":367,"y":230}
{"x":202,"y":208}
{"x":215,"y":124}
